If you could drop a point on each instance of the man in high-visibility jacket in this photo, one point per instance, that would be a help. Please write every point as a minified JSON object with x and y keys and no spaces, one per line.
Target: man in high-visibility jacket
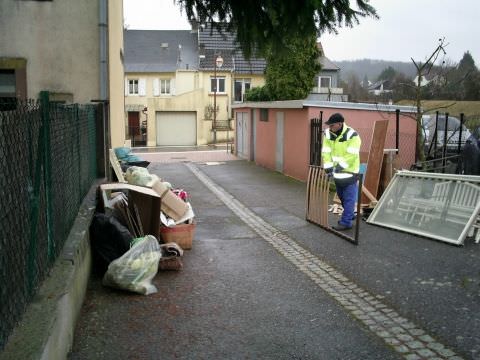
{"x":341,"y":158}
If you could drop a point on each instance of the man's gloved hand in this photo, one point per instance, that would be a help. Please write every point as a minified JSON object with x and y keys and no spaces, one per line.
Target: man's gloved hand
{"x":328,"y":171}
{"x":338,"y":168}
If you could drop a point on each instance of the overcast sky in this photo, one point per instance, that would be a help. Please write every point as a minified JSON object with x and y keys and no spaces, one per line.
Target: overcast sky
{"x":406,"y":28}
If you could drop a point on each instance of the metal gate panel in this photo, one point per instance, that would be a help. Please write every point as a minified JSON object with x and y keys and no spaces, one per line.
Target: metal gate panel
{"x":242,"y":134}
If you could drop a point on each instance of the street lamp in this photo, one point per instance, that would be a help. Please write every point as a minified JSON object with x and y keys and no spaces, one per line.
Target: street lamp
{"x":218,"y":63}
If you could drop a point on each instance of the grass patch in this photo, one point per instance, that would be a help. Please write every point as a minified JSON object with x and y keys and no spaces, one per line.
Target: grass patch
{"x":471,"y":109}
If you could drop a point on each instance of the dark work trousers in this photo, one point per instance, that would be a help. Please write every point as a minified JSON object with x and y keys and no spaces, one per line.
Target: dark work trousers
{"x":348,"y":197}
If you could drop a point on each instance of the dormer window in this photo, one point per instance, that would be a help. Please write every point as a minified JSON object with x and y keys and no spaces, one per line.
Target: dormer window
{"x":325,"y":81}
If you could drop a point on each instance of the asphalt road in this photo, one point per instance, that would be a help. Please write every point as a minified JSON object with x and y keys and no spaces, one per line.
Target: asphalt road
{"x":262,"y":283}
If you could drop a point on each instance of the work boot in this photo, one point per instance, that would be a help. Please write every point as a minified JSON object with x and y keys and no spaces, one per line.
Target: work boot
{"x":341,"y":227}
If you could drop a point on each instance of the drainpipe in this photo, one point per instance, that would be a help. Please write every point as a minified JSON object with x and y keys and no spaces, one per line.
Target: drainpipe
{"x":103,"y":51}
{"x":232,"y":93}
{"x":103,"y":30}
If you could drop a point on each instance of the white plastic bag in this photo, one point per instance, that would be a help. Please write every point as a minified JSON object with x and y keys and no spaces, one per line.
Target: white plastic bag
{"x":140,"y":176}
{"x":135,"y":269}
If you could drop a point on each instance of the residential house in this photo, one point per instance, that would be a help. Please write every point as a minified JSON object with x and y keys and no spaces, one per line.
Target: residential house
{"x":177,"y":93}
{"x":327,"y":81}
{"x":73,"y":49}
{"x":380,"y":87}
{"x":426,"y":79}
{"x":423,"y":80}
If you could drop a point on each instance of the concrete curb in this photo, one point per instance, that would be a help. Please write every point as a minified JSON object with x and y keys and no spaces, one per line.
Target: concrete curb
{"x":47,"y":327}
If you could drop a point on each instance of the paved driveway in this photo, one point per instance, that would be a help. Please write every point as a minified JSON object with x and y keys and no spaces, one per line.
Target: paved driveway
{"x":261,"y":283}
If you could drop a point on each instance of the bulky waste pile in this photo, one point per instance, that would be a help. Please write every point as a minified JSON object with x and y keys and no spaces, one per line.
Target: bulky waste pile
{"x":142,"y":225}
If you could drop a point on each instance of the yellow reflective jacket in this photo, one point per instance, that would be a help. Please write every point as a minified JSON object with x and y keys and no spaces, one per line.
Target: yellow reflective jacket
{"x":341,"y":152}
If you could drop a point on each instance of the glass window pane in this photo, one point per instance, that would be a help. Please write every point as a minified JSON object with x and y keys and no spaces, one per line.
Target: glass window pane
{"x":238,"y":90}
{"x":221,"y":85}
{"x":325,"y":82}
{"x":7,"y":82}
{"x":212,"y":84}
{"x":438,"y":207}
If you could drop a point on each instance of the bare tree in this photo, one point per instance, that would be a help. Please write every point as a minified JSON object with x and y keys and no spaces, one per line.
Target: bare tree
{"x":423,"y":70}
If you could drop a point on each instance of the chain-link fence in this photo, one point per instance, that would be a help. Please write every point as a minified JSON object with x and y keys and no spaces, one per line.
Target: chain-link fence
{"x":47,"y":165}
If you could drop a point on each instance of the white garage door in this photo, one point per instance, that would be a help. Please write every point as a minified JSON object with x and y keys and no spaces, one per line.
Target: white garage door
{"x":176,"y":128}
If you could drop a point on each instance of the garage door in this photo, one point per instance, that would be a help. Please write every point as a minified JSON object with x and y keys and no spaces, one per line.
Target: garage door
{"x":176,"y":128}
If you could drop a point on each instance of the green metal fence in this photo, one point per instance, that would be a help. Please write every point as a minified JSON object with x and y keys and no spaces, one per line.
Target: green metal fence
{"x":47,"y":165}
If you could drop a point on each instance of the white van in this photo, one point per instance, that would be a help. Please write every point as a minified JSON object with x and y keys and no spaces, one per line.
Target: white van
{"x":453,"y":131}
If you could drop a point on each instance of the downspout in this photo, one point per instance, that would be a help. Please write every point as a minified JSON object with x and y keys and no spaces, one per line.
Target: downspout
{"x":231,"y":124}
{"x":103,"y":29}
{"x":104,"y":91}
{"x":232,"y":96}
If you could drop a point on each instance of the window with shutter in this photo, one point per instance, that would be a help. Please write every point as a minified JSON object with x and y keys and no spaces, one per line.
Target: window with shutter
{"x":142,"y":87}
{"x":132,"y":86}
{"x":156,"y":87}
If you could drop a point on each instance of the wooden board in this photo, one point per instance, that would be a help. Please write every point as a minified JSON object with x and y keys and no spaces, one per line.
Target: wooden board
{"x":317,"y":196}
{"x":116,"y":166}
{"x":375,"y":159}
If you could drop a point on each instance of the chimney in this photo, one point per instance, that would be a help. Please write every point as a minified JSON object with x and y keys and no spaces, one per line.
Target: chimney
{"x":320,"y":48}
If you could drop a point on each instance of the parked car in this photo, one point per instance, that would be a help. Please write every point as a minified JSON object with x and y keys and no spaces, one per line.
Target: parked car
{"x":453,"y":131}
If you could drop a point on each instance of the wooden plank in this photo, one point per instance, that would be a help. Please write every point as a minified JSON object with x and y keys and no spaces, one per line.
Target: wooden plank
{"x":375,"y":158}
{"x":368,"y":194}
{"x":116,"y":166}
{"x":307,"y":198}
{"x":317,"y":196}
{"x":386,"y":175}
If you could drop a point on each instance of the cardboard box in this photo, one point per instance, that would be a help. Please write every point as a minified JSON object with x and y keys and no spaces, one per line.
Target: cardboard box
{"x":181,"y":234}
{"x":145,"y":199}
{"x":172,"y":205}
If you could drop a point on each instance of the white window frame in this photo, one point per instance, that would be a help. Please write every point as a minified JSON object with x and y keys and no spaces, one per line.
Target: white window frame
{"x":320,"y":78}
{"x":165,"y":87}
{"x":218,"y":82}
{"x":242,"y":91}
{"x":132,"y":87}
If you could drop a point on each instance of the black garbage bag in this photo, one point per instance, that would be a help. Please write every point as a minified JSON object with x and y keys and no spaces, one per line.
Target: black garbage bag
{"x":109,"y":239}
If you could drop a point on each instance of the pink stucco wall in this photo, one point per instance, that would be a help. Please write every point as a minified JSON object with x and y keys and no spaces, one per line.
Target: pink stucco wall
{"x":296,"y":153}
{"x":266,"y":140}
{"x":363,"y":121}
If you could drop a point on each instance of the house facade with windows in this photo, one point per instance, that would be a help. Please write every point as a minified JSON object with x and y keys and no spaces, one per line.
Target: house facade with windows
{"x":327,"y":81}
{"x":180,"y":85}
{"x":380,"y":87}
{"x":73,"y":49}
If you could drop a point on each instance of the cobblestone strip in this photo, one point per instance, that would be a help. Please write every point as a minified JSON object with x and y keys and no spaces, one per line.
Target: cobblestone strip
{"x":398,"y":332}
